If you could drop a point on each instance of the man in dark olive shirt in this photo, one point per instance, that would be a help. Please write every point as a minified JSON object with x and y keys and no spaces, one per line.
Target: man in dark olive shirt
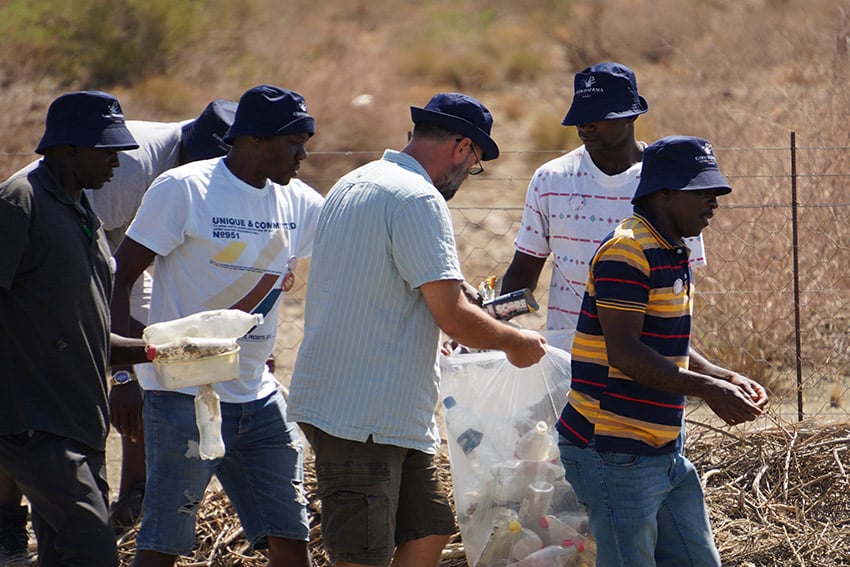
{"x":55,"y":288}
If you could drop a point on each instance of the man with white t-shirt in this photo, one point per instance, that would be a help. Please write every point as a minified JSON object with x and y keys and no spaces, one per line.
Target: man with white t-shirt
{"x":226,"y":233}
{"x":577,"y":199}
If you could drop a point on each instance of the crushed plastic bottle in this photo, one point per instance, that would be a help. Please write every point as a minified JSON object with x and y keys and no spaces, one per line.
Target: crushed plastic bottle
{"x":462,"y":424}
{"x":208,"y":419}
{"x":217,"y":323}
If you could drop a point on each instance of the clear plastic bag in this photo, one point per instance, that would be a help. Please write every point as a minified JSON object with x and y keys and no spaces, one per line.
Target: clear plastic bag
{"x":511,"y":497}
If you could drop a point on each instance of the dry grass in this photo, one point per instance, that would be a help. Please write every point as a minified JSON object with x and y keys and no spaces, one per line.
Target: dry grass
{"x":776,"y":498}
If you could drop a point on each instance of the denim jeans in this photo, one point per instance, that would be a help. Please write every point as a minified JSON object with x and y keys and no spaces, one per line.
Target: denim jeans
{"x":642,"y":510}
{"x":261,"y":472}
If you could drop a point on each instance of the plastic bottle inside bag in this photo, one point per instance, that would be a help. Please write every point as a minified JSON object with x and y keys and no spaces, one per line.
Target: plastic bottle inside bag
{"x":536,"y":504}
{"x":558,"y":555}
{"x":497,"y":550}
{"x":525,"y":543}
{"x":553,"y":530}
{"x":465,"y":428}
{"x":218,"y":323}
{"x":208,"y":419}
{"x":537,"y":444}
{"x":512,"y":478}
{"x":577,"y":520}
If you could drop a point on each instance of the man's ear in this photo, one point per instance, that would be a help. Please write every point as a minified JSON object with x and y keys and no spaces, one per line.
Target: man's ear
{"x":461,"y":149}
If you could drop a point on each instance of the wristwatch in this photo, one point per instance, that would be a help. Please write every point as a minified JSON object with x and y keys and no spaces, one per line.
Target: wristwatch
{"x":121,"y":377}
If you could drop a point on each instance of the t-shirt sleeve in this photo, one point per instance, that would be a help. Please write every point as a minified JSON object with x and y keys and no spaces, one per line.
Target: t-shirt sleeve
{"x":697,"y":251}
{"x":311,"y":209}
{"x":620,"y":275}
{"x":423,"y":244}
{"x":162,"y":219}
{"x":533,"y":235}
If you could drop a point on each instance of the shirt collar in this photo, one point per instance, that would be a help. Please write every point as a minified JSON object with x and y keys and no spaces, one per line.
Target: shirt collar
{"x":50,"y":184}
{"x":406,"y":161}
{"x":659,"y":235}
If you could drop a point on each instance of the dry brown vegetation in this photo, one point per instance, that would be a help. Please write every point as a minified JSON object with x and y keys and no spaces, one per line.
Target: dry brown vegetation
{"x":742,"y":73}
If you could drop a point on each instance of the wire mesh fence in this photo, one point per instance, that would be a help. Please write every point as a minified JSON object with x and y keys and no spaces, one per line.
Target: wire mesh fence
{"x":772,"y":301}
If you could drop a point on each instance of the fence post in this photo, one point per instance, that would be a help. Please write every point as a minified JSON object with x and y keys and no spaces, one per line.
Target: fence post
{"x":795,"y":255}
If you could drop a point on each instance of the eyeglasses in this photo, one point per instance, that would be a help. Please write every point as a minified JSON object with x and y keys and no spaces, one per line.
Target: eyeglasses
{"x":477,"y":168}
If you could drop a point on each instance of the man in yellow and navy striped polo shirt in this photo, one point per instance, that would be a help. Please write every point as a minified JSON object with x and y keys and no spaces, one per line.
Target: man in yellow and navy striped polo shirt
{"x":632,"y":366}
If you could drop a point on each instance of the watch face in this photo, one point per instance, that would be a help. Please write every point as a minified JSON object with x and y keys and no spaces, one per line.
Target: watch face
{"x":121,"y":377}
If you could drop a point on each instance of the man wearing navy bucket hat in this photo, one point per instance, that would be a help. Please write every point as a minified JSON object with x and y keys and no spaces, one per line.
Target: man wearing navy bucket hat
{"x":55,"y":288}
{"x":622,"y":429}
{"x":575,"y":200}
{"x":226,"y":233}
{"x":384,"y":280}
{"x":162,"y":145}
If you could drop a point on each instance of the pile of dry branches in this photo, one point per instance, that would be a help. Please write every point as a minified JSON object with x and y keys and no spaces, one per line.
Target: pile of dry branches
{"x":777,"y":497}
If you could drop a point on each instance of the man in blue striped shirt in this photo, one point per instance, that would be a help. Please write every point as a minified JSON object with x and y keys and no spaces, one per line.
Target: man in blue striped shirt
{"x":385,"y":279}
{"x":632,"y":366}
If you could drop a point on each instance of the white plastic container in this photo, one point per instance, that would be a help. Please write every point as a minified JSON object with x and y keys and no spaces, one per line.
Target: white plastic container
{"x":176,"y":374}
{"x":203,"y":328}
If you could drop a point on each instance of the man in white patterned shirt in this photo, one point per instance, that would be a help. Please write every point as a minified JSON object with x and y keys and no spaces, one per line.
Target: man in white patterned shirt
{"x":575,"y":200}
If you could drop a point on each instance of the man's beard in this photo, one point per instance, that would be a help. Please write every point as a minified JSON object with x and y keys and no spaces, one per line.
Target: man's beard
{"x":449,"y":186}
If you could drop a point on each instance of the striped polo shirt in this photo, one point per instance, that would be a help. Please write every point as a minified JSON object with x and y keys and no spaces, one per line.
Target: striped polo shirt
{"x":638,"y":269}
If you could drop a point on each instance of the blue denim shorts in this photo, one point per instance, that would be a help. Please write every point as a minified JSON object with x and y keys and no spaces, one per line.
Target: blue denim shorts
{"x":642,"y":509}
{"x":262,"y":472}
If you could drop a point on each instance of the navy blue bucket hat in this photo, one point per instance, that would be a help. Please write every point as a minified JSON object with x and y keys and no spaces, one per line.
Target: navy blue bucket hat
{"x":266,"y":110}
{"x":203,"y":137}
{"x":462,"y":114}
{"x":89,"y":119}
{"x":605,"y":91}
{"x":683,"y":163}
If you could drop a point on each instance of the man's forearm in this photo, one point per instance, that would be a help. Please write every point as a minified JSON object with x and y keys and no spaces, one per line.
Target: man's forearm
{"x":125,"y":351}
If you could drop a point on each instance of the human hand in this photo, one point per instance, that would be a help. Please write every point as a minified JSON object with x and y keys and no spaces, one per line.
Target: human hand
{"x":125,"y":409}
{"x":734,"y":403}
{"x":528,"y":350}
{"x":753,"y":389}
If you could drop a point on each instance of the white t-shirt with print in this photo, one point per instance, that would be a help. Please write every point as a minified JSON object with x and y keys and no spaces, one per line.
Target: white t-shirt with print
{"x":222,"y":243}
{"x":570,"y":207}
